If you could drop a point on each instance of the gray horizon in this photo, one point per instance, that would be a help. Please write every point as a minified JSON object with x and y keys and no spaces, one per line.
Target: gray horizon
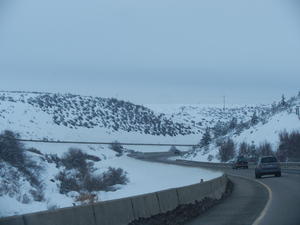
{"x":153,"y":52}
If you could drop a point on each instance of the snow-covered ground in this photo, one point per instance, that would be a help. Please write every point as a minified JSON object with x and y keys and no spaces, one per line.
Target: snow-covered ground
{"x":34,"y":122}
{"x":151,"y":177}
{"x":270,"y":131}
{"x":144,"y":177}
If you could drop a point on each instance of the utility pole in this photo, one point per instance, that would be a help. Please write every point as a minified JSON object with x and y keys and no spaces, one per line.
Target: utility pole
{"x":224,"y":102}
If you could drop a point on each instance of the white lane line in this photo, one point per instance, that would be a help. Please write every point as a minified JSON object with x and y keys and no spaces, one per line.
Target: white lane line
{"x":264,"y":211}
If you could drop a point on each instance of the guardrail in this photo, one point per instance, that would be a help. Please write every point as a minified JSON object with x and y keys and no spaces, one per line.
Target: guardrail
{"x":125,"y":210}
{"x":290,"y":165}
{"x":204,"y":164}
{"x":284,"y":165}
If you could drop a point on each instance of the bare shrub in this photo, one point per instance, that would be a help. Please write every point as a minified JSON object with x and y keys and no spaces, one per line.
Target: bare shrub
{"x":210,"y":157}
{"x":114,"y":176}
{"x":77,"y":175}
{"x":37,"y":195}
{"x":25,"y":199}
{"x":227,"y":150}
{"x":75,"y":159}
{"x":117,"y":147}
{"x":11,"y":150}
{"x":68,"y":182}
{"x":93,"y":183}
{"x":265,"y":149}
{"x":289,"y":146}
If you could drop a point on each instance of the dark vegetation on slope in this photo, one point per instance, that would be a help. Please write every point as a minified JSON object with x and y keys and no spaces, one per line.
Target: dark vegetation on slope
{"x":260,"y":115}
{"x":78,"y":171}
{"x":75,"y":111}
{"x":13,"y":153}
{"x":117,"y":147}
{"x":288,"y":148}
{"x":78,"y":174}
{"x":289,"y":143}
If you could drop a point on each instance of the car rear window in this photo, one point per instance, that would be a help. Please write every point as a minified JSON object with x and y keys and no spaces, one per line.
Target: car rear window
{"x":241,"y":158}
{"x":268,"y":160}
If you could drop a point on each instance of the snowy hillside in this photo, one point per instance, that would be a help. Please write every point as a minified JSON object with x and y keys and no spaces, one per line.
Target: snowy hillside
{"x":202,"y":116}
{"x":48,"y":181}
{"x":74,"y":112}
{"x":81,"y":118}
{"x":265,"y":129}
{"x":17,"y":195}
{"x":270,"y":130}
{"x":41,"y":186}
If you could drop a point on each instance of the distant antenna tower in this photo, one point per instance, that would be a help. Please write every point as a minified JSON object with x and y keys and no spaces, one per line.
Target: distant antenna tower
{"x":224,"y":102}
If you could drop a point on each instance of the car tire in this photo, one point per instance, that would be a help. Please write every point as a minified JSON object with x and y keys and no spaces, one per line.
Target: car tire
{"x":278,"y":174}
{"x":257,"y":176}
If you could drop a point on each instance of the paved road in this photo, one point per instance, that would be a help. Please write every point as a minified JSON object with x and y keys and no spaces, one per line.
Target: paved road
{"x":270,"y":201}
{"x":241,"y":208}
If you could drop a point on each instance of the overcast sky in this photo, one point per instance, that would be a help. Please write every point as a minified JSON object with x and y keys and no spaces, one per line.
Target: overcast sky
{"x":153,"y":51}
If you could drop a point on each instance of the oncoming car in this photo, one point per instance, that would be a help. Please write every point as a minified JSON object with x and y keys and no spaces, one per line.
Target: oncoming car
{"x":267,"y":165}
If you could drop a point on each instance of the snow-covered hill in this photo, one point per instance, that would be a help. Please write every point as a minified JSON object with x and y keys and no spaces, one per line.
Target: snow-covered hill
{"x":70,"y":117}
{"x":202,"y":116}
{"x":74,"y":112}
{"x":266,"y":129}
{"x":84,"y":118}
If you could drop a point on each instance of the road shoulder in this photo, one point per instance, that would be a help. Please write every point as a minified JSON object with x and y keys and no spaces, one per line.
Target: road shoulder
{"x":244,"y":206}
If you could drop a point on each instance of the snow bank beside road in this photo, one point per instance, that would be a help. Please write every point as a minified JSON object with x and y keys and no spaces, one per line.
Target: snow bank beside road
{"x":146,"y":177}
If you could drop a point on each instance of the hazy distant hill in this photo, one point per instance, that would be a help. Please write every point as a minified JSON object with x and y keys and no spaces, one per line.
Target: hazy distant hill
{"x":55,"y":116}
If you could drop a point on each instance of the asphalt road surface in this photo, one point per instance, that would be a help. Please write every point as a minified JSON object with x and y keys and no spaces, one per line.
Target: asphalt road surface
{"x":266,"y":201}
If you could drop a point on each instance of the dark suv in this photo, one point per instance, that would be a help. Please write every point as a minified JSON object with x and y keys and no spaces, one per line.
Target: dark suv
{"x":240,"y":162}
{"x":267,"y":165}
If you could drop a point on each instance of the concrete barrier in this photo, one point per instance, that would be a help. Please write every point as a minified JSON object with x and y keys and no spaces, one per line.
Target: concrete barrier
{"x":168,"y":200}
{"x":216,"y":188}
{"x":126,"y":210}
{"x":79,"y":215}
{"x":12,"y":220}
{"x":113,"y":212}
{"x":193,"y":193}
{"x":145,"y":206}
